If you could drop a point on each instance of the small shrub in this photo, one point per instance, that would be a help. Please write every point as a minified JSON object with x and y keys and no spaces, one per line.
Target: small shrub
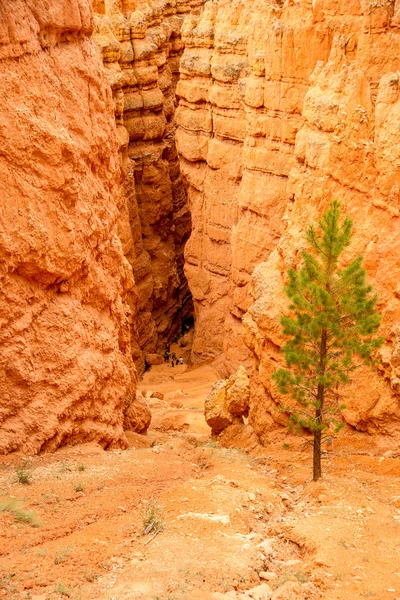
{"x":81,"y":467}
{"x":62,"y":555}
{"x":152,"y":520}
{"x":79,"y":487}
{"x":62,"y":589}
{"x":21,"y":515}
{"x":24,"y":475}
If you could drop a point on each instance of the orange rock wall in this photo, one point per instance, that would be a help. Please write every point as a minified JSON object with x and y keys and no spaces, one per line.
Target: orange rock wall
{"x":240,"y":108}
{"x":141,"y":47}
{"x":284,"y":106}
{"x":66,"y":373}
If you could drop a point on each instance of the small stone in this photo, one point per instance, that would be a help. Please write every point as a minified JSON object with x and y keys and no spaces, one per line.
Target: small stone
{"x":292,"y":563}
{"x":268,"y":575}
{"x":28,"y":584}
{"x":266,"y":547}
{"x":321,"y":563}
{"x":261,"y":592}
{"x":283,"y":591}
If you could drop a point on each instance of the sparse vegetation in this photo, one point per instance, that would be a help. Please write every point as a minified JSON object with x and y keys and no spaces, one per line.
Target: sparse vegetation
{"x":79,"y":487}
{"x":62,"y":555}
{"x":81,"y":468}
{"x":62,"y":589}
{"x":21,"y":515}
{"x":206,"y":444}
{"x":152,"y":519}
{"x":24,"y":474}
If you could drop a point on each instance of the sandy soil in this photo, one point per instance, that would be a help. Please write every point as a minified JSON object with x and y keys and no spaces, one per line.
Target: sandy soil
{"x":229,"y":521}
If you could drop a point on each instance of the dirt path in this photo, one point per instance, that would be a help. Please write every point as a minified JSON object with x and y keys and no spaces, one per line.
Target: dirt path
{"x":229,"y":522}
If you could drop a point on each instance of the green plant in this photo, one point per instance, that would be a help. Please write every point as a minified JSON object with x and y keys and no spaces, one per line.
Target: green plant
{"x":79,"y":487}
{"x":62,"y":589}
{"x":333,"y":321}
{"x":24,"y":474}
{"x":90,"y":575}
{"x":286,"y":446}
{"x":62,"y":555}
{"x":152,"y":519}
{"x":81,"y":467}
{"x":23,"y":516}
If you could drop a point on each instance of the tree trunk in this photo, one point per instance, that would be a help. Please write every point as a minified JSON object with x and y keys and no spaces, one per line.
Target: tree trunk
{"x":319,"y":411}
{"x":317,"y":470}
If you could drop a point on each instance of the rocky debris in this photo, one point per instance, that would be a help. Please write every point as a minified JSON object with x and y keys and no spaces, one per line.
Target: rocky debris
{"x":228,"y":401}
{"x":158,"y":395}
{"x":154,"y":359}
{"x":138,"y":416}
{"x":290,"y":590}
{"x":224,"y":519}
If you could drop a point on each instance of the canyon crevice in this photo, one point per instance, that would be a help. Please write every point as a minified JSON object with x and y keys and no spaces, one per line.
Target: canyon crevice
{"x":141,"y":48}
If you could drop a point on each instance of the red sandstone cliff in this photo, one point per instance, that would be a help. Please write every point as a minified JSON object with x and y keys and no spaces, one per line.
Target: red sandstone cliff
{"x":141,"y":47}
{"x":66,"y":373}
{"x":284,"y":106}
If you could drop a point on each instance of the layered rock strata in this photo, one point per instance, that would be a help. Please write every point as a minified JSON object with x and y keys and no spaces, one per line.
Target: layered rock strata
{"x":66,"y":373}
{"x":141,"y":47}
{"x":284,"y":106}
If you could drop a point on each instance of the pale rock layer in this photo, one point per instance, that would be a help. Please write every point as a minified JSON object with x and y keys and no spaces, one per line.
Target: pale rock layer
{"x":141,"y":48}
{"x":67,"y":291}
{"x":284,"y":106}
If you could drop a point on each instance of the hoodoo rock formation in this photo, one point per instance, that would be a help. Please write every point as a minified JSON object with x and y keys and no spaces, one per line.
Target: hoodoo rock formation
{"x":284,"y":106}
{"x":66,"y":372}
{"x":141,"y":48}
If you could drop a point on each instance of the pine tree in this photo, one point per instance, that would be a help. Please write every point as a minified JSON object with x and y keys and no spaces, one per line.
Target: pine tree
{"x":332,"y":325}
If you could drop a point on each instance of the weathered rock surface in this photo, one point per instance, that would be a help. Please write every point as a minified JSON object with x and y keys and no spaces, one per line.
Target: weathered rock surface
{"x":228,"y":401}
{"x":284,"y":106}
{"x":66,"y":373}
{"x":141,"y":47}
{"x":137,"y":416}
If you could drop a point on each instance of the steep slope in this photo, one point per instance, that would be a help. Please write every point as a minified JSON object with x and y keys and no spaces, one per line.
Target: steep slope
{"x":66,"y":371}
{"x":282,"y":107}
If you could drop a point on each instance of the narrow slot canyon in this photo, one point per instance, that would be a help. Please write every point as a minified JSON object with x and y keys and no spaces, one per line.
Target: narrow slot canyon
{"x":160,"y":163}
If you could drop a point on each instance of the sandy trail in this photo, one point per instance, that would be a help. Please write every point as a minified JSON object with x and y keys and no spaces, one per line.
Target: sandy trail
{"x":229,"y":520}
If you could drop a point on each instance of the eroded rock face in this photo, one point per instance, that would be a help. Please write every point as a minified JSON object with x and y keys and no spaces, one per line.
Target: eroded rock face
{"x":228,"y":401}
{"x":66,"y":373}
{"x":141,"y":47}
{"x":237,"y":122}
{"x":282,"y":108}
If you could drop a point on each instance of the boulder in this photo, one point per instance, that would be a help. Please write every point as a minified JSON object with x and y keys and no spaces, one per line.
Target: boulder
{"x":137,"y":417}
{"x":215,"y":411}
{"x":238,"y":393}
